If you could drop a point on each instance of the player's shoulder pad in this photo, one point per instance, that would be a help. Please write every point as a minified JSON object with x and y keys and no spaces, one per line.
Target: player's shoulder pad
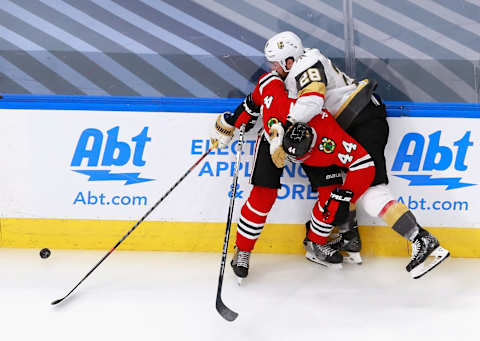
{"x":268,"y":78}
{"x":306,"y":60}
{"x":313,"y":60}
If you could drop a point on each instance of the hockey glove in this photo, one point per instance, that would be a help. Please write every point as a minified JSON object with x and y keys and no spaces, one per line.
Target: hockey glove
{"x":337,"y":206}
{"x":222,"y":133}
{"x":246,"y":113}
{"x":276,"y":148}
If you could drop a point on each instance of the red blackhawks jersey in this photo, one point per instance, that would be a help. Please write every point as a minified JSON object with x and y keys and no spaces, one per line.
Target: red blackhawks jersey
{"x":333,"y":146}
{"x":271,"y":95}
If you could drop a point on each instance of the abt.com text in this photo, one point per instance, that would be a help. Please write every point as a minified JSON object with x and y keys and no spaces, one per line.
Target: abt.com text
{"x":89,"y":198}
{"x":437,"y":205}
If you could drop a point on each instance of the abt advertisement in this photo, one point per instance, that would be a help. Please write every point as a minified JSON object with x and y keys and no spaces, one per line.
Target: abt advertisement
{"x":434,"y":166}
{"x":117,"y":165}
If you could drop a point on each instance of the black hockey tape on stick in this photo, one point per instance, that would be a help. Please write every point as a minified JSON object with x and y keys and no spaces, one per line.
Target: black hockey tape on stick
{"x":222,"y":309}
{"x":138,"y":223}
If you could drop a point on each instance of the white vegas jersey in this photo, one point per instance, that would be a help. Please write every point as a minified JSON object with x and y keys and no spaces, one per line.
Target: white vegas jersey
{"x":318,"y":84}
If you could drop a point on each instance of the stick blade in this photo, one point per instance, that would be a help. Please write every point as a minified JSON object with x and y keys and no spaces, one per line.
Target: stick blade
{"x":57,"y":301}
{"x":224,"y":311}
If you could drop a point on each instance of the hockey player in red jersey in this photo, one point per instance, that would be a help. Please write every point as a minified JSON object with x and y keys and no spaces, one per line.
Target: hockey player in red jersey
{"x":320,"y":144}
{"x":270,"y":101}
{"x":318,"y":84}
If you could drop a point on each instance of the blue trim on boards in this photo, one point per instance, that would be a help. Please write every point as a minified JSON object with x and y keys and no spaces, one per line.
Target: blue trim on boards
{"x":208,"y":105}
{"x":106,"y":103}
{"x":418,"y":109}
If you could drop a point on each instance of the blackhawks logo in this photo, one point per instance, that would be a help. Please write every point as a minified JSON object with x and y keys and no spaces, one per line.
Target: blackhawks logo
{"x":327,"y":146}
{"x":272,"y":121}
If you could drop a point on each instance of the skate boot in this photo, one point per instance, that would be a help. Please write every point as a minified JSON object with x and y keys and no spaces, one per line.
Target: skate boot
{"x":349,"y":244}
{"x":323,"y":254}
{"x":424,"y":245}
{"x":240,"y":264}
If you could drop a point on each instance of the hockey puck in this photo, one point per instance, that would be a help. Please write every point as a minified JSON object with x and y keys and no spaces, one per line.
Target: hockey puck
{"x":45,"y":253}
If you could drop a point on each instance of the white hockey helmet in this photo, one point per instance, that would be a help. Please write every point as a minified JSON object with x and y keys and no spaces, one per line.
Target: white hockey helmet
{"x":282,"y":46}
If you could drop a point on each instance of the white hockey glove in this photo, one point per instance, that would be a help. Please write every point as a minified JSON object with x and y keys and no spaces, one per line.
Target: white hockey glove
{"x":222,"y":132}
{"x":276,"y":148}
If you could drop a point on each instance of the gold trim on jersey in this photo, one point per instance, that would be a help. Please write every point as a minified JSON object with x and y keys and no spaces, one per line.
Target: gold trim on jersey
{"x":355,"y":103}
{"x":313,"y":87}
{"x":361,"y":85}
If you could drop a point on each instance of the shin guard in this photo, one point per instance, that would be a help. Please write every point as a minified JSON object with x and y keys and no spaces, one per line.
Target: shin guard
{"x":401,"y":219}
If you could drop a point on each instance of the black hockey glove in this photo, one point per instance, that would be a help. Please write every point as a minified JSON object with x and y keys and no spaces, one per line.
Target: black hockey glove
{"x":246,"y":113}
{"x":337,"y":206}
{"x":250,"y":107}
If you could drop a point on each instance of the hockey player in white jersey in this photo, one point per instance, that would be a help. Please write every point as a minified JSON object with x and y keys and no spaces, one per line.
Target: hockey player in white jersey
{"x":318,"y":84}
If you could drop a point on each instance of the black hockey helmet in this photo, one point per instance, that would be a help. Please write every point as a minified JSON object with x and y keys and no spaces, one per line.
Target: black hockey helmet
{"x":298,"y":139}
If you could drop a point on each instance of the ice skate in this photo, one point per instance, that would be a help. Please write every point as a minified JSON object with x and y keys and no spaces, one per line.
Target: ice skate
{"x":323,"y":254}
{"x":349,"y":244}
{"x":240,"y":263}
{"x":425,"y":245}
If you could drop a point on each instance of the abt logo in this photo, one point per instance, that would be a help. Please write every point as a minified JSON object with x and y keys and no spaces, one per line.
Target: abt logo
{"x":435,"y":157}
{"x":114,"y":153}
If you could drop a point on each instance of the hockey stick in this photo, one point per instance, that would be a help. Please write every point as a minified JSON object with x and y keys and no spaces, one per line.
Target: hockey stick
{"x":222,"y":309}
{"x":138,"y":223}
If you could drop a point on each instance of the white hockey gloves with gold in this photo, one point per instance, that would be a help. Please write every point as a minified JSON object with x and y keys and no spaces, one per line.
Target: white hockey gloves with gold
{"x":222,"y":132}
{"x":276,"y":148}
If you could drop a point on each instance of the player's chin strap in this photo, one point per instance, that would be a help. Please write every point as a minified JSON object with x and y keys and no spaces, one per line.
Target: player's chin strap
{"x":222,"y":309}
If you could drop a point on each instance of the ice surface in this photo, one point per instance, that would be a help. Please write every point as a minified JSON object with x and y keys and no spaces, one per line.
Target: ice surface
{"x":171,"y":296}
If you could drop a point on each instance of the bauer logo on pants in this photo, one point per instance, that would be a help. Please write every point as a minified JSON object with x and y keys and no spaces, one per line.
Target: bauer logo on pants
{"x":97,"y":151}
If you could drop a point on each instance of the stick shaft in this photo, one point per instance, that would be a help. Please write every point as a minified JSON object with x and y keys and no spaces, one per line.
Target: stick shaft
{"x":223,"y":310}
{"x":136,"y":224}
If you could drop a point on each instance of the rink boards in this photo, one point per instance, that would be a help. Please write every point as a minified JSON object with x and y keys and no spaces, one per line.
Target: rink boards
{"x":80,"y":179}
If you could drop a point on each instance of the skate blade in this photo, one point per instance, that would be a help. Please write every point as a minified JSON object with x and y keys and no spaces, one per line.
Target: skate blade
{"x":328,"y":265}
{"x":439,"y":255}
{"x":352,"y":258}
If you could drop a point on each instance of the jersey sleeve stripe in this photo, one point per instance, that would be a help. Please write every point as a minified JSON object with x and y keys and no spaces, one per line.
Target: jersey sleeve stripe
{"x":361,"y":166}
{"x":314,"y":88}
{"x":312,"y":94}
{"x":362,"y":163}
{"x":264,"y":82}
{"x":366,"y":157}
